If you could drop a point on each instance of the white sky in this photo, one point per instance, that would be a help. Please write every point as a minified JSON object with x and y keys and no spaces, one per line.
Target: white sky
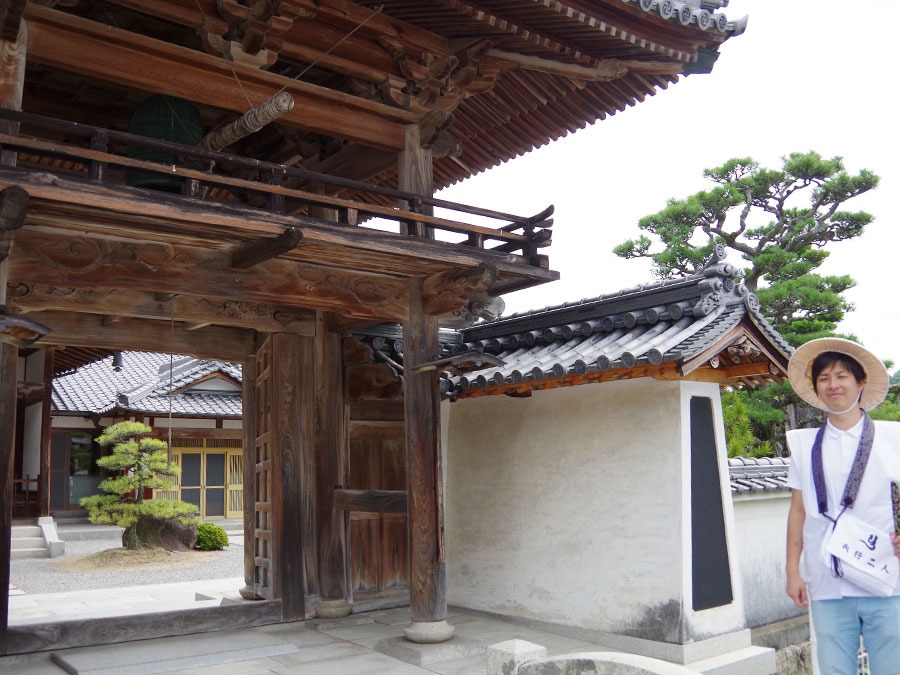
{"x":806,"y":75}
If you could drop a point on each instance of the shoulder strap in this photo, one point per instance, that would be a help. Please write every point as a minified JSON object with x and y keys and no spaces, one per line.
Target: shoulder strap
{"x":851,"y":489}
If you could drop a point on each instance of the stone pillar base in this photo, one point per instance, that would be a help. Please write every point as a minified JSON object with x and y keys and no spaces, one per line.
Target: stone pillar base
{"x":247,"y":593}
{"x":333,"y":609}
{"x":428,"y":632}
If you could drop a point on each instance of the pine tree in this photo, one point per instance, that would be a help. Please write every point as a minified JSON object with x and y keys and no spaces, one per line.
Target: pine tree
{"x":143,"y":463}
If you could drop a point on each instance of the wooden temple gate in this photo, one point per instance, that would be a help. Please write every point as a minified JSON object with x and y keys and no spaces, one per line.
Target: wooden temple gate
{"x":224,"y":277}
{"x":115,"y":240}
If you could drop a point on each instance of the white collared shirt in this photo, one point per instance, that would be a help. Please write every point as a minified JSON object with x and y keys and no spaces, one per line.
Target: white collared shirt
{"x":873,"y":503}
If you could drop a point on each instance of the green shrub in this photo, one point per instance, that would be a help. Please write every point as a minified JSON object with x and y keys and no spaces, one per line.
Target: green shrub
{"x":211,"y":537}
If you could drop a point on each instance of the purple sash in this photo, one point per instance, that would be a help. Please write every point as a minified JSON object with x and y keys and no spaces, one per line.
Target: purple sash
{"x":856,"y":472}
{"x":851,"y":489}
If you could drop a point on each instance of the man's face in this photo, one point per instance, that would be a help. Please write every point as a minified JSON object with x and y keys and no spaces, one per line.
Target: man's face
{"x":837,"y":388}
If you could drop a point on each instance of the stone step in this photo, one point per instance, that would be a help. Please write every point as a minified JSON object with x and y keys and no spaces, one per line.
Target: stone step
{"x":17,"y":531}
{"x":23,"y":553}
{"x":746,"y":661}
{"x":88,"y":532}
{"x":28,"y":542}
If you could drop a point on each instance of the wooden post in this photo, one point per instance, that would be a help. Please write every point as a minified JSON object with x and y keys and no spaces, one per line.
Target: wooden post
{"x":427,"y":578}
{"x":415,"y":168}
{"x":292,"y":411}
{"x":12,"y":81}
{"x":329,"y":451}
{"x":249,"y":413}
{"x":8,"y":377}
{"x":46,"y":433}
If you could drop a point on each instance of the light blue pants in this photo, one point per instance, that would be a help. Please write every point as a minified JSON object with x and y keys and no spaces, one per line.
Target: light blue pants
{"x":838,"y":625}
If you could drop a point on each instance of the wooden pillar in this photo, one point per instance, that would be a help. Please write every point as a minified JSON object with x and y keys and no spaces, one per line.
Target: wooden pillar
{"x":284,"y":545}
{"x":46,"y":433}
{"x":249,"y":415}
{"x":12,"y":81}
{"x":8,"y":377}
{"x":415,"y":173}
{"x":330,"y":435}
{"x":427,"y":577}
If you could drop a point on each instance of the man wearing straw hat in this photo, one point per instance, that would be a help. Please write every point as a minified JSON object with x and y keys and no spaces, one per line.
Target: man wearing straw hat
{"x":841,"y":515}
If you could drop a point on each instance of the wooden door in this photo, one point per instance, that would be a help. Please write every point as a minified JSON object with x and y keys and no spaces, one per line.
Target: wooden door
{"x":378,"y":541}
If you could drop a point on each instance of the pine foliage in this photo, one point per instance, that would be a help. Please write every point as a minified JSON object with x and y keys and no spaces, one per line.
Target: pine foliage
{"x":140,"y":462}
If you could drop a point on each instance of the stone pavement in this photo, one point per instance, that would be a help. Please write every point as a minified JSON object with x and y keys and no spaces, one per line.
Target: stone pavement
{"x":369,"y":642}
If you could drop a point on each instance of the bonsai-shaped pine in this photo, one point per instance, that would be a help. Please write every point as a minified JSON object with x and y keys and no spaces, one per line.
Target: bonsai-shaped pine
{"x":143,"y":461}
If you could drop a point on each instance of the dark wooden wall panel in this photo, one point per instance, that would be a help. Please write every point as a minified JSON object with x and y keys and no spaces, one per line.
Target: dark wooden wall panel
{"x":378,"y":547}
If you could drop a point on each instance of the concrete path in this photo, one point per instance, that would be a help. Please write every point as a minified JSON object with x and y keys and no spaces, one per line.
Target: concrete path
{"x":370,"y":642}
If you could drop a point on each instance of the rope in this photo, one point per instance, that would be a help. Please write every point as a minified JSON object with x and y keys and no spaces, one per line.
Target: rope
{"x":229,"y":60}
{"x":378,"y":10}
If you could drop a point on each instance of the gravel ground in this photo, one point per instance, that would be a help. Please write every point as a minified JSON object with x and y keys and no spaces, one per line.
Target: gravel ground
{"x":39,"y":576}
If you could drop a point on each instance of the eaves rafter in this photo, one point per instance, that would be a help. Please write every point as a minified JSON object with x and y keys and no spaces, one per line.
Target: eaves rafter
{"x":587,"y":18}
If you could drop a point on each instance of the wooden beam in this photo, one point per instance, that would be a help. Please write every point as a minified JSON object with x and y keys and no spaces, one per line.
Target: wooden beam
{"x":8,"y":376}
{"x":55,"y":635}
{"x":87,"y":262}
{"x":123,"y":305}
{"x":78,"y":45}
{"x":339,"y":13}
{"x":118,"y":209}
{"x":87,"y":330}
{"x":371,"y":501}
{"x":427,"y":575}
{"x":746,"y":369}
{"x":350,"y":14}
{"x":254,"y":252}
{"x":355,"y":162}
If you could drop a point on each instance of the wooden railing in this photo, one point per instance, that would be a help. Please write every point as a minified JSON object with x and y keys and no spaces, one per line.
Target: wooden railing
{"x":518,"y":234}
{"x":26,"y":497}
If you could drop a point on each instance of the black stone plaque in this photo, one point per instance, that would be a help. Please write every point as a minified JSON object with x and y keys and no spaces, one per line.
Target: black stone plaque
{"x":709,"y":550}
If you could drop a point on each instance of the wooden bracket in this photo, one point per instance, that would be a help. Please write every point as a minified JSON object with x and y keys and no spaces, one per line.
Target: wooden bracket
{"x":450,"y":290}
{"x":13,"y":208}
{"x":10,"y":18}
{"x":19,"y":330}
{"x":260,"y":250}
{"x":465,"y":362}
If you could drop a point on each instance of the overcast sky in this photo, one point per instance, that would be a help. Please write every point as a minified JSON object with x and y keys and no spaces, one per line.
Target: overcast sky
{"x":806,"y":75}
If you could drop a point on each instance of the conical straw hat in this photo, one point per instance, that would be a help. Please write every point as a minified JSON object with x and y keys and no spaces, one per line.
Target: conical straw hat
{"x":800,"y":370}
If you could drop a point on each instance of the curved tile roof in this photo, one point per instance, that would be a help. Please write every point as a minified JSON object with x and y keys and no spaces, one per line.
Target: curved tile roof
{"x":757,"y":475}
{"x":669,"y":321}
{"x":141,"y":385}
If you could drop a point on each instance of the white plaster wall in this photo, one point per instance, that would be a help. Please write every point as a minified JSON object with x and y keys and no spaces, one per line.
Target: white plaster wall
{"x":70,"y":422}
{"x":31,"y":440}
{"x":232,"y":424}
{"x":34,"y":366}
{"x":761,"y":529}
{"x":565,"y":507}
{"x":182,"y":422}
